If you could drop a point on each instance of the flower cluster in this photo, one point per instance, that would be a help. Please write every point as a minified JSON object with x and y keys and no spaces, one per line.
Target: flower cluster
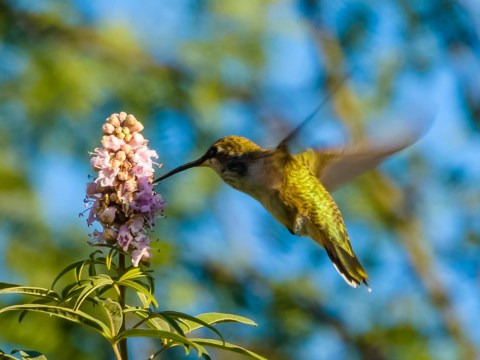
{"x":121,"y":197}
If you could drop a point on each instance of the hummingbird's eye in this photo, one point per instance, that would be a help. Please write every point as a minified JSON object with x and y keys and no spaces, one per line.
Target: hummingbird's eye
{"x":212,"y":152}
{"x":237,"y":166}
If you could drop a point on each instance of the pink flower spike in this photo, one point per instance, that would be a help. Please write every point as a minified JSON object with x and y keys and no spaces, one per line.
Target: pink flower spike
{"x":99,"y":236}
{"x":143,"y":255}
{"x":91,"y":189}
{"x":92,"y":215}
{"x":108,"y":215}
{"x":124,"y":237}
{"x":110,"y":234}
{"x":107,"y":176}
{"x":122,"y":116}
{"x":112,"y":142}
{"x":121,"y":197}
{"x":108,"y":128}
{"x":137,"y":141}
{"x":102,"y":160}
{"x":114,"y":120}
{"x":137,"y":224}
{"x":141,"y":241}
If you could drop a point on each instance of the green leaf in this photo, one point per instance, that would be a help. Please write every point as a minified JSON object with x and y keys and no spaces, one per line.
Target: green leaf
{"x":158,"y":323}
{"x":141,"y":288}
{"x":37,"y":301}
{"x":184,"y":318}
{"x":133,"y":273}
{"x":93,"y":283}
{"x":144,"y":299}
{"x":214,"y":318}
{"x":171,"y":321}
{"x":69,"y":268}
{"x":114,"y":313}
{"x":77,"y":316}
{"x":109,"y":258}
{"x":152,"y":322}
{"x":30,"y":355}
{"x":6,"y":288}
{"x":163,"y":335}
{"x":92,"y":270}
{"x":4,"y":356}
{"x":228,"y":347}
{"x":151,"y":282}
{"x":68,"y":292}
{"x":79,"y":269}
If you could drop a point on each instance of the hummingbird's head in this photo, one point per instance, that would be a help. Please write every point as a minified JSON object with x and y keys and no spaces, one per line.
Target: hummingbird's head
{"x":228,"y":157}
{"x":232,"y":146}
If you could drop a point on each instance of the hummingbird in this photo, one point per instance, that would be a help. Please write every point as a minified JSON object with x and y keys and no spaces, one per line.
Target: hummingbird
{"x":295,"y":188}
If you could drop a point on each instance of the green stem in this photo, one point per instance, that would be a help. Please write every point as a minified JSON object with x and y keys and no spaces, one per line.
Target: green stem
{"x":121,"y":300}
{"x":118,"y":356}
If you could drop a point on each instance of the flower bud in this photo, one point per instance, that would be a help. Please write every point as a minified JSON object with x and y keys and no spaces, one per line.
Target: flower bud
{"x":120,"y":156}
{"x":126,"y":148}
{"x":114,"y":120}
{"x":137,"y":140}
{"x":112,"y":142}
{"x":130,"y":120}
{"x":122,"y":175}
{"x":136,"y":127}
{"x":116,"y":163}
{"x":108,"y":128}
{"x":110,"y":234}
{"x":108,"y":215}
{"x":131,"y":185}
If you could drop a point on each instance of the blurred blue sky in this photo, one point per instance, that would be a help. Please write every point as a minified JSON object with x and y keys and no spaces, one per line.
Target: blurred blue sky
{"x":288,"y":79}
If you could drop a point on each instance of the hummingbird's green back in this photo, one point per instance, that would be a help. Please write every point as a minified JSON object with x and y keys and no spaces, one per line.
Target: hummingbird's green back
{"x":318,"y":216}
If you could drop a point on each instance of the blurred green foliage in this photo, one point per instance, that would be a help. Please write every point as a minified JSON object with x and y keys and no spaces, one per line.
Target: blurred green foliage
{"x":229,"y":66}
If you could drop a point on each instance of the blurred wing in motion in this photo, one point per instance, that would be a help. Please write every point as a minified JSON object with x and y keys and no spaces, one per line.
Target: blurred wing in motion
{"x":336,"y":167}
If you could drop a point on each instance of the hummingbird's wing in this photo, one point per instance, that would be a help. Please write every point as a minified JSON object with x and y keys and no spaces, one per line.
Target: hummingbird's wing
{"x":336,"y":167}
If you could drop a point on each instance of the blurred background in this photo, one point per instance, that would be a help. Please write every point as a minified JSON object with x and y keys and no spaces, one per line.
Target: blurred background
{"x":196,"y":70}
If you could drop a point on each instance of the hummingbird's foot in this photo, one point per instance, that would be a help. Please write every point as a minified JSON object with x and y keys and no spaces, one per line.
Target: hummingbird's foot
{"x":300,"y":225}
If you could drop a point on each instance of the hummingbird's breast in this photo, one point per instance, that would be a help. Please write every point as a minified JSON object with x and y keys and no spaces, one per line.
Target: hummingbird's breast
{"x":262,"y":178}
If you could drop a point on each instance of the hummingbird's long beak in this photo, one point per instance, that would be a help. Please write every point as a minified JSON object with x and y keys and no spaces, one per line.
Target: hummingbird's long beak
{"x":195,"y":163}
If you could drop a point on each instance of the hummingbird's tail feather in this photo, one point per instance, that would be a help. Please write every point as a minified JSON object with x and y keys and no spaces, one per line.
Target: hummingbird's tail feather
{"x":345,"y":262}
{"x":348,"y":266}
